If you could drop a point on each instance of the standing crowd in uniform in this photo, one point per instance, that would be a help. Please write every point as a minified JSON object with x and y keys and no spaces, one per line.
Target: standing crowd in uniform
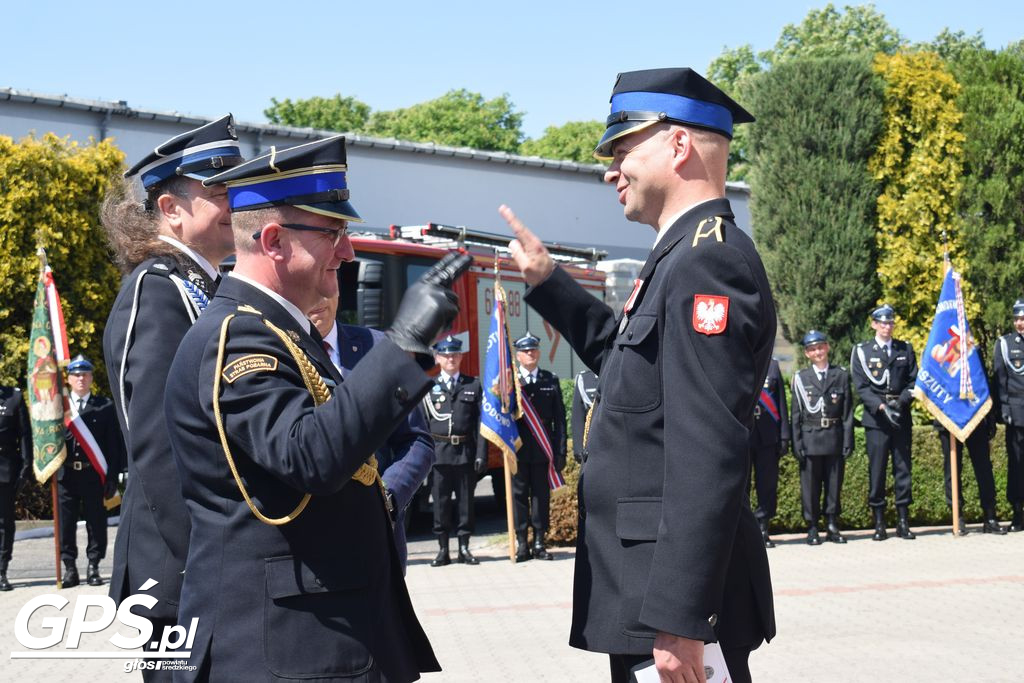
{"x":272,"y":451}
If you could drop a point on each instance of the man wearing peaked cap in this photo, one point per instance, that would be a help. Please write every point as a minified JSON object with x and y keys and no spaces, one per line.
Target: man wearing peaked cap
{"x":453,"y":411}
{"x":669,"y":555}
{"x":15,"y":468}
{"x":884,"y":371}
{"x":170,"y":245}
{"x":1009,"y":379}
{"x":276,"y":447}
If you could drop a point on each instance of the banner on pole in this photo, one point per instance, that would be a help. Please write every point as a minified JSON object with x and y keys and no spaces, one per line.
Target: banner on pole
{"x":45,"y":394}
{"x":500,"y":406}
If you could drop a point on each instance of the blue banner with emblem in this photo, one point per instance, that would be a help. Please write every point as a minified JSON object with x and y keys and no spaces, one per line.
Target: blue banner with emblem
{"x":500,"y":407}
{"x":951,"y":381}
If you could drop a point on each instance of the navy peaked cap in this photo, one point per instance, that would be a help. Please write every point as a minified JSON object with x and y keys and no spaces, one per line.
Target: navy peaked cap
{"x":678,"y":95}
{"x":527,"y":342}
{"x":1018,"y":308}
{"x":198,"y":154}
{"x":310,"y":176}
{"x":813,"y":337}
{"x":449,"y":344}
{"x":79,"y":364}
{"x":884,"y":314}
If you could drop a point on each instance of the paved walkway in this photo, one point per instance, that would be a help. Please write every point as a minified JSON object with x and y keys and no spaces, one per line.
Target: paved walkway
{"x":936,"y":608}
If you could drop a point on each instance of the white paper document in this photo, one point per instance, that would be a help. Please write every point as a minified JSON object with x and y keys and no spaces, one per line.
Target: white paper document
{"x":714,"y":667}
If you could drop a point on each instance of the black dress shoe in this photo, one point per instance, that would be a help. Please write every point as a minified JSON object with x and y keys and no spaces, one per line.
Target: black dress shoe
{"x":540,"y":553}
{"x":522,"y":552}
{"x":5,"y":585}
{"x":92,"y":577}
{"x":812,"y":536}
{"x":833,"y":534}
{"x":880,"y":534}
{"x":903,"y":530}
{"x":961,"y":526}
{"x":465,"y":557}
{"x":768,"y":543}
{"x":441,"y":559}
{"x":992,"y":526}
{"x":70,"y":578}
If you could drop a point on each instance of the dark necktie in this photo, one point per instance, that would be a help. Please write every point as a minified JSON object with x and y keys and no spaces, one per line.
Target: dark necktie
{"x":327,"y":347}
{"x":81,"y":404}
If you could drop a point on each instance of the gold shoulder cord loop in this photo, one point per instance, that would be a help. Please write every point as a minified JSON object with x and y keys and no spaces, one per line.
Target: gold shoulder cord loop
{"x":586,"y":424}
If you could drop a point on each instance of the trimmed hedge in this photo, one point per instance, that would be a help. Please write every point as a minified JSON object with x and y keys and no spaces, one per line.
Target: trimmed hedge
{"x":929,"y":507}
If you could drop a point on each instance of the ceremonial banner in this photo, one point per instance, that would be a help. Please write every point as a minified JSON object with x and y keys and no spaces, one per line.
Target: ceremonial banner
{"x":500,"y":406}
{"x":45,"y":396}
{"x":951,"y":381}
{"x":555,"y":480}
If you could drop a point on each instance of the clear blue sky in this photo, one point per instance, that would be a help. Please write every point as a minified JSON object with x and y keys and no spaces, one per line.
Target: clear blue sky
{"x":556,"y":60}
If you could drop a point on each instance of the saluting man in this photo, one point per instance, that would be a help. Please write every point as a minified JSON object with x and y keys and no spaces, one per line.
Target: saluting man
{"x":769,"y":440}
{"x":822,"y":435}
{"x":453,"y":413}
{"x":884,"y":371}
{"x":1009,"y":371}
{"x":81,"y":488}
{"x":530,"y":487}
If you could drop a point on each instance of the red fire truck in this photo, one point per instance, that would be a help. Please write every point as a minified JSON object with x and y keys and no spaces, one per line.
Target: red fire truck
{"x":386,"y":264}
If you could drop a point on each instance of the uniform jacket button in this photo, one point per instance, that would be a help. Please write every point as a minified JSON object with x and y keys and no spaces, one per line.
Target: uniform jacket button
{"x":319,"y":582}
{"x":401,"y":394}
{"x":713,"y":620}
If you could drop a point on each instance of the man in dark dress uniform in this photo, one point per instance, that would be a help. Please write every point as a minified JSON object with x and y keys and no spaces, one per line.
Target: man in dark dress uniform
{"x":15,"y":467}
{"x":292,"y":570}
{"x":884,"y":371}
{"x":185,"y":234}
{"x":769,"y":440}
{"x":583,"y":394}
{"x":531,"y":491}
{"x":822,"y":435}
{"x":1009,"y":371}
{"x":453,"y":412}
{"x":979,"y":448}
{"x":80,"y":486}
{"x":669,"y":555}
{"x":407,"y":456}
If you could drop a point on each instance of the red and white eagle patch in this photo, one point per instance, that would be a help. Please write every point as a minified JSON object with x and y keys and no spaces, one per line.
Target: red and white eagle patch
{"x":710,"y":313}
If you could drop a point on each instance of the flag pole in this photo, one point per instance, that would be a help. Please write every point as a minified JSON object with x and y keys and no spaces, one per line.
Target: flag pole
{"x":506,"y":470}
{"x":954,"y":474}
{"x":41,"y":253}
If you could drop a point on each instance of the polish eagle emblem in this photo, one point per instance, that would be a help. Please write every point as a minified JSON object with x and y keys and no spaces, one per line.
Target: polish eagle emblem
{"x":710,"y":313}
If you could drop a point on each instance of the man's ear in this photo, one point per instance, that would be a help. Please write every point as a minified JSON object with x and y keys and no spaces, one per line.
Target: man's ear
{"x":169,"y":206}
{"x":270,"y":240}
{"x":682,"y":147}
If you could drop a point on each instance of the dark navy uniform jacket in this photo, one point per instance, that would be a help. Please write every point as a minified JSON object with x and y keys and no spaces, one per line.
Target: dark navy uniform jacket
{"x":15,"y":436}
{"x":1008,"y":364}
{"x":667,"y":541}
{"x":321,"y":597}
{"x":822,"y":412}
{"x":771,"y":430}
{"x":150,"y":316}
{"x":546,"y":395}
{"x":462,"y":407}
{"x":99,"y":415}
{"x":877,"y":375}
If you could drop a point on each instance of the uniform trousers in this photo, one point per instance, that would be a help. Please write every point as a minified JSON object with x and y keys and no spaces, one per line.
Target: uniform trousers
{"x":737,"y":661}
{"x":765,"y":473}
{"x":8,"y":492}
{"x":531,"y":481}
{"x":818,"y":472}
{"x":881,"y":441}
{"x":979,"y":449}
{"x":81,"y":491}
{"x":462,"y":480}
{"x":1015,"y":464}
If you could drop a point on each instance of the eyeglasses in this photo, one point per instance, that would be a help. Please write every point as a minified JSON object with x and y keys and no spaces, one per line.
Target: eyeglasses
{"x":335,"y":233}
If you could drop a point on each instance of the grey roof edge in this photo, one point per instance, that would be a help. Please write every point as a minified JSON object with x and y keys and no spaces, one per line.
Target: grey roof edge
{"x":122,"y":109}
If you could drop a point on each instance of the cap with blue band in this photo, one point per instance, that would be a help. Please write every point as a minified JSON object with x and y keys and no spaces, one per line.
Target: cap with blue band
{"x":198,"y":154}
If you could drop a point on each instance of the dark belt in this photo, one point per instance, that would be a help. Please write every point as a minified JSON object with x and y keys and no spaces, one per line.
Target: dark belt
{"x":454,"y":439}
{"x":891,"y":397}
{"x":81,"y":465}
{"x":827,"y":422}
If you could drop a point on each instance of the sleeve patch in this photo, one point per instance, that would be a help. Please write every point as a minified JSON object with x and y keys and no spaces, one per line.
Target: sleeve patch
{"x":710,"y":313}
{"x":246,"y":365}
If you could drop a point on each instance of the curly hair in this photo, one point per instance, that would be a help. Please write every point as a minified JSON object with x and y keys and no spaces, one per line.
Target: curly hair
{"x":133,"y":226}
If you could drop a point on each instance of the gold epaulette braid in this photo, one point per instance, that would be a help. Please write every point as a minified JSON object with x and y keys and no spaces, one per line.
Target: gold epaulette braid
{"x":586,"y":425}
{"x":367,"y":473}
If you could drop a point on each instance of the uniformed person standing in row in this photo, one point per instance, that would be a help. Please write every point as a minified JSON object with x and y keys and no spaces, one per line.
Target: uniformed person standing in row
{"x":530,"y":488}
{"x":15,"y":467}
{"x":584,"y":391}
{"x":822,"y":435}
{"x":292,"y":571}
{"x":80,"y":487}
{"x":979,"y":448}
{"x":884,"y":371}
{"x":769,"y":440}
{"x":1009,"y":372}
{"x":170,"y":245}
{"x":669,"y":555}
{"x":453,"y":414}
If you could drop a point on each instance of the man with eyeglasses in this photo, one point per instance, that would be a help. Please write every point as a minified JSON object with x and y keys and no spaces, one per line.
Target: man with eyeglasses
{"x":170,"y":244}
{"x":292,"y":569}
{"x":884,"y":370}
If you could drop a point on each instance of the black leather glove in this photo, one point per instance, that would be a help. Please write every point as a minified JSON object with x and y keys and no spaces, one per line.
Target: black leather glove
{"x":846,"y":453}
{"x":801,"y":457}
{"x":428,"y":307}
{"x":891,"y":414}
{"x":110,"y":487}
{"x":480,"y":465}
{"x":1007,"y":418}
